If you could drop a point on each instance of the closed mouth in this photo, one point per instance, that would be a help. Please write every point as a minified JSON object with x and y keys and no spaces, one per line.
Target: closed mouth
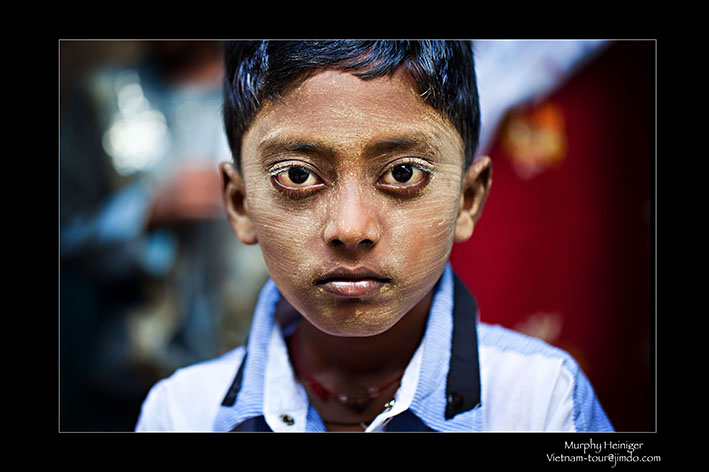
{"x":344,"y":274}
{"x":352,"y":284}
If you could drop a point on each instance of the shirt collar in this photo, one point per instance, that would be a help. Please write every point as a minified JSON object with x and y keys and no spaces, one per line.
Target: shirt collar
{"x":441,"y":384}
{"x":449,"y":386}
{"x":244,"y":399}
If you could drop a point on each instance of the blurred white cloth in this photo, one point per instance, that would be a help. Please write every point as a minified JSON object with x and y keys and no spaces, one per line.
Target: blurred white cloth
{"x":513,"y":72}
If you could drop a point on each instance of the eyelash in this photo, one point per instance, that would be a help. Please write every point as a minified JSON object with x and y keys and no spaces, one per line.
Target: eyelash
{"x":295,"y":192}
{"x":399,"y":190}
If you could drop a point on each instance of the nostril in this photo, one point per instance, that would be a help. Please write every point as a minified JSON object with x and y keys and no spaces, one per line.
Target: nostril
{"x":366,"y":243}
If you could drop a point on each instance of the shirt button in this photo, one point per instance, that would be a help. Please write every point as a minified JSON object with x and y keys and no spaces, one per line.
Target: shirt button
{"x":287,"y":419}
{"x":388,"y":405}
{"x":455,"y":400}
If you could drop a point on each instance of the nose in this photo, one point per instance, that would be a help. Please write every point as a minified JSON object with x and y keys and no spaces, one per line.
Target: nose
{"x":352,"y":220}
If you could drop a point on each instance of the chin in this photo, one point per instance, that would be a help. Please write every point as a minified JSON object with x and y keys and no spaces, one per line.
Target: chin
{"x":356,"y":321}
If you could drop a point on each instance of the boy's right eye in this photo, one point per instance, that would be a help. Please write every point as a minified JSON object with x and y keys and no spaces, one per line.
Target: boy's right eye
{"x":296,"y":180}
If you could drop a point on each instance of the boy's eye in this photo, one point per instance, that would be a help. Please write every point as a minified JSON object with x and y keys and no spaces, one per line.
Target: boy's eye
{"x":296,"y":175}
{"x":405,"y":178}
{"x":296,"y":180}
{"x":402,"y":173}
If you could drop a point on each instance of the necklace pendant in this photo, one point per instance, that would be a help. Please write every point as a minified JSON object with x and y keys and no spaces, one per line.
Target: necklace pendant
{"x":358,"y":404}
{"x":355,"y":402}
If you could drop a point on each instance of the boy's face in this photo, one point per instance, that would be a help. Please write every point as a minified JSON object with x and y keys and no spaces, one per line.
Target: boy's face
{"x":355,"y":192}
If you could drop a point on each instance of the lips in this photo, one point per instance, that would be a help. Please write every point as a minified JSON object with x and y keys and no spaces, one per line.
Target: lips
{"x":357,"y":282}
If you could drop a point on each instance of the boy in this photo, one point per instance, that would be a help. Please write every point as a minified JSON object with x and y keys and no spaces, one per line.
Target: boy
{"x":354,"y":171}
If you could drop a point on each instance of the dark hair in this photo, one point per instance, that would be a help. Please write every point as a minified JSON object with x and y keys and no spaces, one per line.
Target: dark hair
{"x":444,"y":71}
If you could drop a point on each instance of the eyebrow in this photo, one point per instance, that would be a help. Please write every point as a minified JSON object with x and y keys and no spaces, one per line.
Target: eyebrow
{"x":374,"y":148}
{"x":278,"y":145}
{"x":401,"y":143}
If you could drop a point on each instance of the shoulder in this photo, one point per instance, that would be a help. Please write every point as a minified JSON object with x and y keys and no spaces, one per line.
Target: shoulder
{"x":190,"y":398}
{"x":498,"y":339}
{"x":529,"y":384}
{"x":509,"y":358}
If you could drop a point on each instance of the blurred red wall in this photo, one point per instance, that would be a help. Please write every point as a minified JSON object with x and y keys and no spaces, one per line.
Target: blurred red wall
{"x":563,"y":249}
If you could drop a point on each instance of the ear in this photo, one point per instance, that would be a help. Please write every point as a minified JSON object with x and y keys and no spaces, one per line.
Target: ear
{"x":476,"y":187}
{"x":237,"y":208}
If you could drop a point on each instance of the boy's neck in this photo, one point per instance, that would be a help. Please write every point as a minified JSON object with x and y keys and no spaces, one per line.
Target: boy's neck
{"x":352,"y":361}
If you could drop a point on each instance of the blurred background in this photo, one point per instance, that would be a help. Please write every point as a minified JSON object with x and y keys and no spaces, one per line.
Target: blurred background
{"x":152,"y":278}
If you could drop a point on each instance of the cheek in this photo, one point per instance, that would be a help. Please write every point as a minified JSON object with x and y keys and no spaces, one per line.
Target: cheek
{"x":423,"y":238}
{"x":427,"y":227}
{"x":284,"y":233}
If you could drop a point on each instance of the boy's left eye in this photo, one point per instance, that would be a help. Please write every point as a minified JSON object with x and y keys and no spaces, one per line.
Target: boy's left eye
{"x":403,"y":176}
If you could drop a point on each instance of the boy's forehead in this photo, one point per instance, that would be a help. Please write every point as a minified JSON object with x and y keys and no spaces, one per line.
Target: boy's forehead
{"x":333,"y":109}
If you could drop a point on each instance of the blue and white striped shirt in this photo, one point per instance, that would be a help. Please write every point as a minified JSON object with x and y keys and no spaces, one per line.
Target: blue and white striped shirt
{"x":521,"y":383}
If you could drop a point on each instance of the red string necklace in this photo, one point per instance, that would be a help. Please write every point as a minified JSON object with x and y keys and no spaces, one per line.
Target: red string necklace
{"x":356,"y":401}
